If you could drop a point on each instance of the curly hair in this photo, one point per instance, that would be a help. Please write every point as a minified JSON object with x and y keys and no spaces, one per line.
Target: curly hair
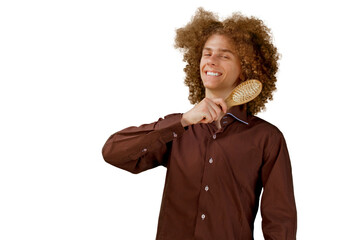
{"x":252,"y":41}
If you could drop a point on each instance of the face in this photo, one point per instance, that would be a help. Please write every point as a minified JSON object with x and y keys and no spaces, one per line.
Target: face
{"x":219,"y":66}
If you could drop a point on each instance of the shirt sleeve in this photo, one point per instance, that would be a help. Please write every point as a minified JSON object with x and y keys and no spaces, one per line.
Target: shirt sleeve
{"x":278,"y":210}
{"x":136,"y":149}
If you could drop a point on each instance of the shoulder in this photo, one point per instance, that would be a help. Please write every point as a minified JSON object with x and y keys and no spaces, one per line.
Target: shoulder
{"x":263,"y":126}
{"x":264,"y":133}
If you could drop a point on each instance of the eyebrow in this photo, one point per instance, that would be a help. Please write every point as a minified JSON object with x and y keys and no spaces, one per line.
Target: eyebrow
{"x":221,"y":50}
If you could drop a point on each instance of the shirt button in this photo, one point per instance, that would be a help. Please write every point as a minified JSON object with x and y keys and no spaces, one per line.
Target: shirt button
{"x":202,"y":216}
{"x":214,"y":136}
{"x":175,"y":135}
{"x":206,"y":188}
{"x":144,"y":150}
{"x":211,"y":160}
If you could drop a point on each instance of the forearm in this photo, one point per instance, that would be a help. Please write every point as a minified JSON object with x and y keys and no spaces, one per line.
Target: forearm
{"x":136,"y":149}
{"x":278,"y":208}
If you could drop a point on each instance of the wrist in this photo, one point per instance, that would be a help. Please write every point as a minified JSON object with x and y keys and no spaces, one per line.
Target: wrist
{"x":184,"y":122}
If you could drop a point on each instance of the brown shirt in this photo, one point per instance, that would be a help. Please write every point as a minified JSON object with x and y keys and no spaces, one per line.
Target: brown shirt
{"x":214,"y":176}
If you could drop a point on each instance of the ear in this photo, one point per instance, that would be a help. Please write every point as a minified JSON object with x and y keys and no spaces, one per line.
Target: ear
{"x":240,"y":79}
{"x":241,"y":75}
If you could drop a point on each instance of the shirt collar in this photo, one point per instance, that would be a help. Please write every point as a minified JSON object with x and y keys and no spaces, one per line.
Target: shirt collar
{"x":239,"y":113}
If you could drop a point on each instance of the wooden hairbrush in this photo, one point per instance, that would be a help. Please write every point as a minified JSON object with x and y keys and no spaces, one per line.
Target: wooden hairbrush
{"x":244,"y":92}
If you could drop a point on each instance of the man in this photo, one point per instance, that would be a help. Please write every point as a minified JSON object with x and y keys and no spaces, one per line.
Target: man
{"x":218,"y":159}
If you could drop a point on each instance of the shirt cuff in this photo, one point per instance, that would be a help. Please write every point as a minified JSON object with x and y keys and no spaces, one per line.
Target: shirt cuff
{"x":170,"y":127}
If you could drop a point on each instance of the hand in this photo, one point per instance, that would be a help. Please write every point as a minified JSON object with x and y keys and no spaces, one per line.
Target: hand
{"x":206,"y":111}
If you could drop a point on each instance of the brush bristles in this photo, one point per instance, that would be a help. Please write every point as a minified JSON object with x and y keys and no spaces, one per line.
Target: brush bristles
{"x":245,"y":92}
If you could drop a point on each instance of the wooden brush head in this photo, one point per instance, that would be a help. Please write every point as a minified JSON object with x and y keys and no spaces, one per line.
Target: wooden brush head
{"x":244,"y":92}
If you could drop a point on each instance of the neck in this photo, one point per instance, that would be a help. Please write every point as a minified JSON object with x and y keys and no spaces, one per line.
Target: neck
{"x":216,"y":94}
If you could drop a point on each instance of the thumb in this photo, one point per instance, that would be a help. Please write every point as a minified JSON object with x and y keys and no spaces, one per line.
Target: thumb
{"x":221,"y":103}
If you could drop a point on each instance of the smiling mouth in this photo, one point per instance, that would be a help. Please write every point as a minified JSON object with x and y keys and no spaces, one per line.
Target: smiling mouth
{"x":210,"y":73}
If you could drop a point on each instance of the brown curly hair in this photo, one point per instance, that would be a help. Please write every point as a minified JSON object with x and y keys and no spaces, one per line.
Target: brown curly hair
{"x":253,"y":44}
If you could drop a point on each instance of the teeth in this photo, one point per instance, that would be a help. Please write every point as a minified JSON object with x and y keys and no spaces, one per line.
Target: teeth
{"x":212,"y":74}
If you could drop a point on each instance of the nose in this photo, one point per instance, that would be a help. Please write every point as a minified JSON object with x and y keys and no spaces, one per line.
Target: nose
{"x":212,"y":60}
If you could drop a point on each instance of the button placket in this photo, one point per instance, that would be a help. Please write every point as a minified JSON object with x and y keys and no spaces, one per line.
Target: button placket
{"x":204,"y":200}
{"x":206,"y":188}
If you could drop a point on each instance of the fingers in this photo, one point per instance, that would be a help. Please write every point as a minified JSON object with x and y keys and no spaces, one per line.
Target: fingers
{"x":210,"y":115}
{"x":207,"y":111}
{"x":220,"y":102}
{"x":213,"y":109}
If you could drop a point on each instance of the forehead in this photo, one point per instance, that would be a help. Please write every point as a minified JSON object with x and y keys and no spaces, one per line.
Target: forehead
{"x":219,"y":42}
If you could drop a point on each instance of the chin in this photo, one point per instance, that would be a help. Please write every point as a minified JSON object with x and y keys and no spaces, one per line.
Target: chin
{"x":210,"y":83}
{"x":210,"y":86}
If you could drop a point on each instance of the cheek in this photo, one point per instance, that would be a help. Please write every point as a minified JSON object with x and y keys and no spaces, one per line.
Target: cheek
{"x":202,"y":63}
{"x":236,"y":70}
{"x":200,"y":68}
{"x":233,"y":70}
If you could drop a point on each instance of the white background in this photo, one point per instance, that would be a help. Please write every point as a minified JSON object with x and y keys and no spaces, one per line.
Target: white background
{"x":74,"y":72}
